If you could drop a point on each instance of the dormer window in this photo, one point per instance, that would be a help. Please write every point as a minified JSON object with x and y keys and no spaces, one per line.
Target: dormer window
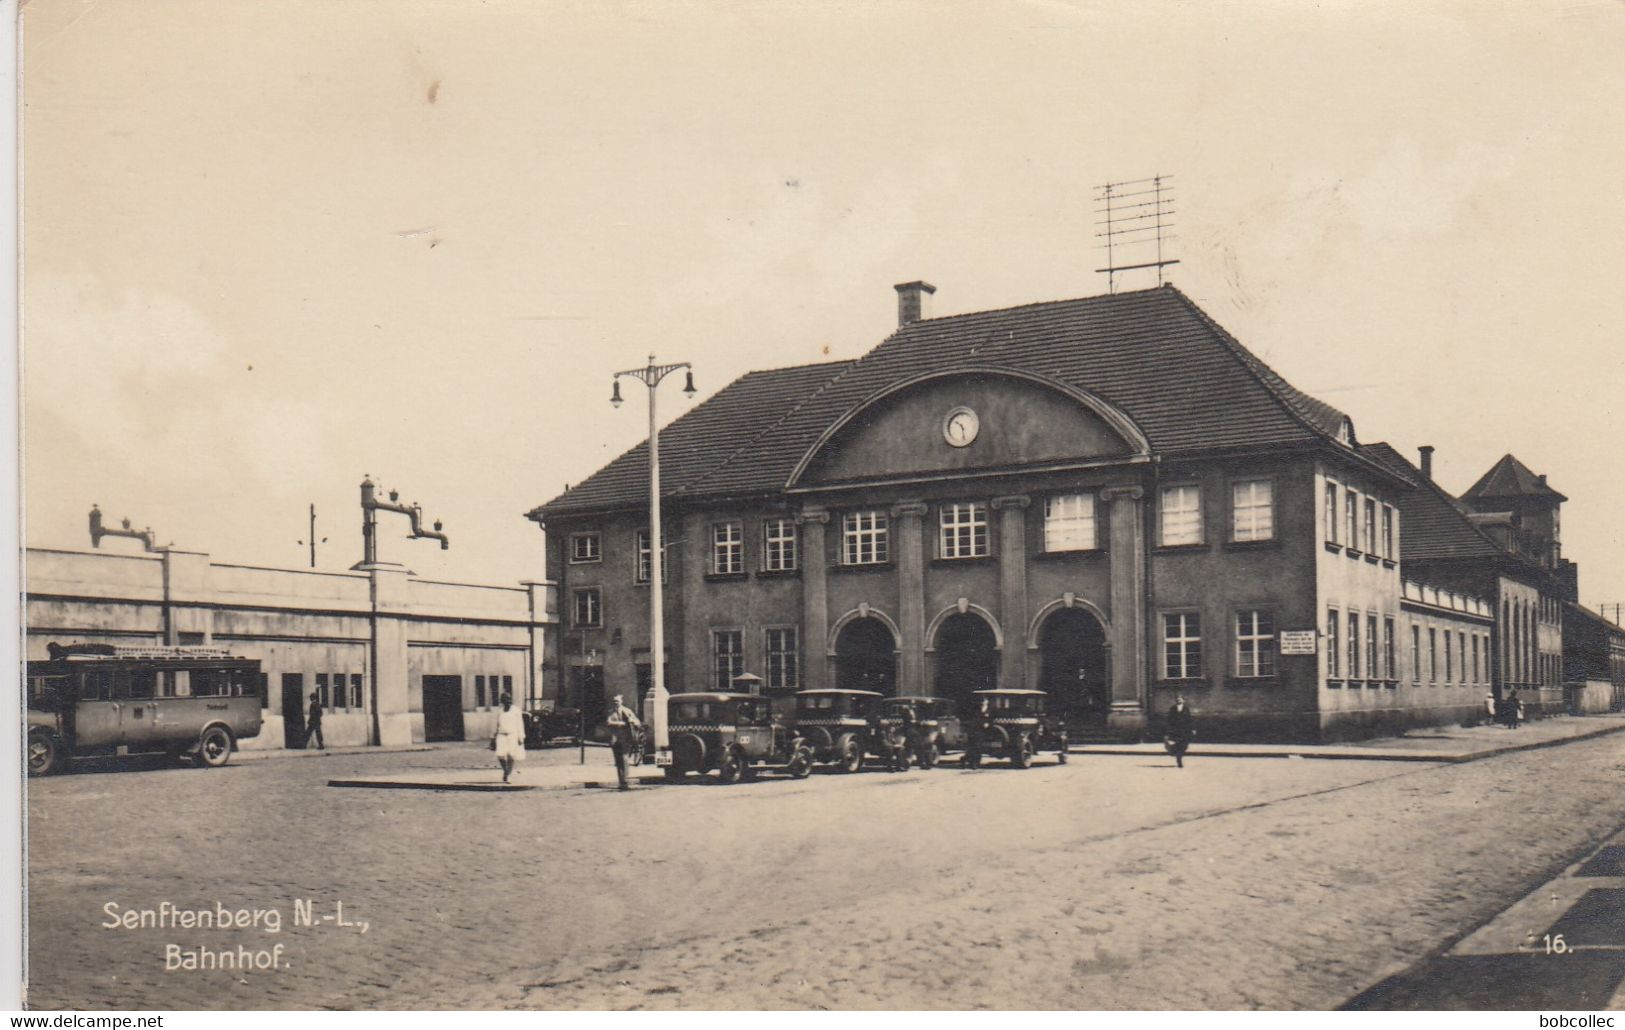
{"x":1345,"y":433}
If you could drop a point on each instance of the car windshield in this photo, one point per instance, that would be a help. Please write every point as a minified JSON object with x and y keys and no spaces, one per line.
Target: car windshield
{"x":693,"y":711}
{"x":753,"y":713}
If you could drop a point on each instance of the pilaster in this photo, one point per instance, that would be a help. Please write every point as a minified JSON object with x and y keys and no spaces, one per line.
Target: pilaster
{"x":909,"y":556}
{"x":814,"y":598}
{"x":1128,"y":713}
{"x":1013,"y":588}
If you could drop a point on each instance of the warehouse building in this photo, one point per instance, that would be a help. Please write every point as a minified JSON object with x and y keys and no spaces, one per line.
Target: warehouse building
{"x":394,"y":658}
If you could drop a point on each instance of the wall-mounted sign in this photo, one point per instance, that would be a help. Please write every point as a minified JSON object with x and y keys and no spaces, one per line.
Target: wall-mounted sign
{"x":1299,"y":641}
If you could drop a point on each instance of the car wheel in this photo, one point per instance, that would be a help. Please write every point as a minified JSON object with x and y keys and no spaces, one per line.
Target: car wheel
{"x":673,"y":774}
{"x":851,"y":756}
{"x":44,"y":753}
{"x":1022,"y":756}
{"x":928,"y":756}
{"x":729,"y":771}
{"x":214,"y":747}
{"x":800,"y":764}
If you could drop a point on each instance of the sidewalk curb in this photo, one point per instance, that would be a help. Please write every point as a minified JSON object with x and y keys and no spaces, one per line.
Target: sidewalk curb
{"x":1349,"y":754}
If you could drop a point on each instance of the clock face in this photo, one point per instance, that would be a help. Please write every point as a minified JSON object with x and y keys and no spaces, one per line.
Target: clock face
{"x":961,"y":427}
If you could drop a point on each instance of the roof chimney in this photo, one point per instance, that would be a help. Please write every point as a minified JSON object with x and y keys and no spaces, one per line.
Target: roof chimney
{"x":1427,"y":460}
{"x":911,"y":301}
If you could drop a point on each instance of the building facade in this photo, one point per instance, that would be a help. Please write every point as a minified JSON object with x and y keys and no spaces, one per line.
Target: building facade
{"x":395,"y":659}
{"x":1108,"y":499}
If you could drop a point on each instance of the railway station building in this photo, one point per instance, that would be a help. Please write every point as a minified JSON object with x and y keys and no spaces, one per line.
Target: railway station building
{"x":1109,"y":499}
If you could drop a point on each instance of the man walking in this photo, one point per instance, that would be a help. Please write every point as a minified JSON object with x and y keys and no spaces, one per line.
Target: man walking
{"x":313,"y":723}
{"x":624,"y":726}
{"x":1180,"y":731}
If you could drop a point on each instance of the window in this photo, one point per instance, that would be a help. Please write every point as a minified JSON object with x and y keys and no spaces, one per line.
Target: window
{"x":584,"y":547}
{"x":1388,"y":532}
{"x":1461,"y":655}
{"x":963,"y":530}
{"x":1252,"y":512}
{"x":479,"y":691}
{"x":1069,"y":522}
{"x":1449,"y":665}
{"x":782,"y":655}
{"x":321,"y":690}
{"x":1372,"y":670}
{"x":864,"y":538}
{"x":1433,"y":655}
{"x":1390,"y":671}
{"x":1333,"y":650}
{"x":641,"y":574}
{"x":1354,"y":645}
{"x":1351,"y":519}
{"x":1255,"y":644}
{"x":779,"y":545}
{"x":589,"y":609}
{"x":1182,"y":646}
{"x":1416,"y":655}
{"x":1331,"y":512}
{"x":727,"y":656}
{"x":355,"y":690}
{"x":727,"y":548}
{"x":1370,"y":539}
{"x":1181,"y":514}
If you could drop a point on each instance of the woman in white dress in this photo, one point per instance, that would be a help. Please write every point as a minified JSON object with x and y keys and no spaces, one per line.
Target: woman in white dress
{"x":509,"y":741}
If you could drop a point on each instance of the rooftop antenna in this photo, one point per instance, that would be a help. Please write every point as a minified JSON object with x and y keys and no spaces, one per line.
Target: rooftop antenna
{"x":1136,"y":225}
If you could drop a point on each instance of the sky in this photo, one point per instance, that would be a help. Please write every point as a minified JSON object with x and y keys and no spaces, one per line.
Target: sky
{"x":269,"y":249}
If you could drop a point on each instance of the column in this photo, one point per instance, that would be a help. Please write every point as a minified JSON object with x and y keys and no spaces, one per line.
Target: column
{"x":814,"y":599}
{"x":1127,"y":635}
{"x":1013,"y":588}
{"x":909,"y":555}
{"x":544,"y":641}
{"x":186,"y":579}
{"x":391,"y":672}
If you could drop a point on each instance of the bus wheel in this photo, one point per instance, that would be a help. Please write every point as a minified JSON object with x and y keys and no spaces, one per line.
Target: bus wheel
{"x":44,"y":753}
{"x":214,"y":747}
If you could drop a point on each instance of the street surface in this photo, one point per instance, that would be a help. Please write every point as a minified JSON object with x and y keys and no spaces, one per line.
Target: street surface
{"x":1113,"y":882}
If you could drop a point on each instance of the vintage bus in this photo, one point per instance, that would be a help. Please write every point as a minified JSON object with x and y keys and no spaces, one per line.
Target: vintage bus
{"x":109,"y":699}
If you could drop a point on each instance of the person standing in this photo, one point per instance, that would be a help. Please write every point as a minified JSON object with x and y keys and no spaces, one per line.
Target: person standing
{"x":623,"y":725}
{"x":509,"y":740}
{"x":1515,"y":710}
{"x":1179,"y":731}
{"x":1489,"y":707}
{"x":313,"y":723}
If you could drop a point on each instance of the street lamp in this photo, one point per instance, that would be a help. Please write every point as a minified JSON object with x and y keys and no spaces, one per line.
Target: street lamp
{"x":650,"y":376}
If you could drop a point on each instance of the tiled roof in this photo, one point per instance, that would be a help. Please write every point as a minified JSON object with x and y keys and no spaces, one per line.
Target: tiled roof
{"x":1184,"y":381}
{"x":1432,"y":524}
{"x":1510,"y":478}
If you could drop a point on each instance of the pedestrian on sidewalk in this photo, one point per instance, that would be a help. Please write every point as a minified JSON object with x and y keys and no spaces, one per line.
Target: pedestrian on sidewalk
{"x":509,"y":740}
{"x":1490,"y":712}
{"x":624,"y":726}
{"x":1179,"y":731}
{"x":313,"y":724}
{"x":1515,"y":709}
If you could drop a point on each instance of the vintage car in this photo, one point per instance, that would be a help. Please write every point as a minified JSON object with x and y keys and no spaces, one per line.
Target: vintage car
{"x":545,"y":726}
{"x":932,"y":726}
{"x":92,"y":700}
{"x":836,"y":725}
{"x":731,"y":733}
{"x":1012,"y":724}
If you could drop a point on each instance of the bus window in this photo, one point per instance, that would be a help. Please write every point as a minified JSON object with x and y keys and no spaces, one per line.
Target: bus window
{"x":135,"y":684}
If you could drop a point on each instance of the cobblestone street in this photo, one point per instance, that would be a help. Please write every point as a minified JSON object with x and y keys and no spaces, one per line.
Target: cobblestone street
{"x":1112,"y":882}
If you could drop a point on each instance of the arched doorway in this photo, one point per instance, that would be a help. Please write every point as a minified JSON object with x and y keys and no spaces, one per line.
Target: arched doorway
{"x":866,"y":657}
{"x":967,"y":656}
{"x":1072,"y":649}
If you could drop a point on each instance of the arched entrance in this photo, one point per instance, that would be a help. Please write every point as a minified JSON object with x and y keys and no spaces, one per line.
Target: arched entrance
{"x":866,"y":657}
{"x":1072,"y":649}
{"x":967,"y":656}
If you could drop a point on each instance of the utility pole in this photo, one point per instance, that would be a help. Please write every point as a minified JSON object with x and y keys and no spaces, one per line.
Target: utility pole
{"x":313,"y":536}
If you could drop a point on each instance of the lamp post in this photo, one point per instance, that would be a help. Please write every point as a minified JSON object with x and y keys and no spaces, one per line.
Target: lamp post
{"x":651,"y":375}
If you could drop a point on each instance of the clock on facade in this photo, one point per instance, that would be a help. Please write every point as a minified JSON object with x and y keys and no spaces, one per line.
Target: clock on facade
{"x":960,"y":427}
